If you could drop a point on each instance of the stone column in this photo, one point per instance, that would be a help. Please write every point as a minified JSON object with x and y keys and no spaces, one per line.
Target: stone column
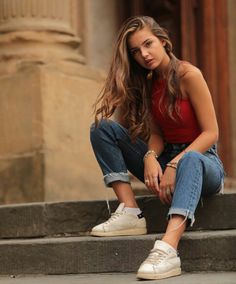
{"x":38,"y":30}
{"x":45,"y":104}
{"x":101,"y":28}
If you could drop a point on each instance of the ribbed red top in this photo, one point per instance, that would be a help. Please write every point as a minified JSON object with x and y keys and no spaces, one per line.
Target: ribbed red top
{"x":185,"y":129}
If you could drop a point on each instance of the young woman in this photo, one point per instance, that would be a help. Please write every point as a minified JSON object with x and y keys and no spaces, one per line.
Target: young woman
{"x":164,"y":134}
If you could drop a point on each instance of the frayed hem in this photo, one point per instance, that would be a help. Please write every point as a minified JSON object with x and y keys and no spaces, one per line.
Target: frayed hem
{"x":188,"y":216}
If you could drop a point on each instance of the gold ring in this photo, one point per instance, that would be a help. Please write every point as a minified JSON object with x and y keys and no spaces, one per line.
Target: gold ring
{"x":146,"y":180}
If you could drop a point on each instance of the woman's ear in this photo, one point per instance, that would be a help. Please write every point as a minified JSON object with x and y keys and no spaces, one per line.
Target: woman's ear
{"x":163,"y":43}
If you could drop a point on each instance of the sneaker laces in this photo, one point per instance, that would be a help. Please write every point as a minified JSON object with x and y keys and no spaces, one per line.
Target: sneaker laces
{"x":156,"y":256}
{"x":114,"y":216}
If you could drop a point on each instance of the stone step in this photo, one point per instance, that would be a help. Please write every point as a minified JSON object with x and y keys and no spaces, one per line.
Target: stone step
{"x":77,"y":218}
{"x":121,"y":278}
{"x":199,"y":251}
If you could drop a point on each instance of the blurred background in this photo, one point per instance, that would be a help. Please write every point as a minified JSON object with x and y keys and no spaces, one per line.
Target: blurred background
{"x":54,"y":55}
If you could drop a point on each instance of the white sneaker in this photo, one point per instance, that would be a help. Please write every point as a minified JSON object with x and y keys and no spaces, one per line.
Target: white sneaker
{"x":162,"y":262}
{"x":121,"y":223}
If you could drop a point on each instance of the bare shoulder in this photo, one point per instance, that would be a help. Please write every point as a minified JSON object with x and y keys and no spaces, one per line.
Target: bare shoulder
{"x":192,"y":82}
{"x":189,"y":73}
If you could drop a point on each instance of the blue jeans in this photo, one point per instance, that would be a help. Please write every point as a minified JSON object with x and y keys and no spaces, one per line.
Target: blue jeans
{"x":197,"y":174}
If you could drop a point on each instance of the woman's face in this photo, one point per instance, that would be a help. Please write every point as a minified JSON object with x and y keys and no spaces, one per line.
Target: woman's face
{"x":147,"y":50}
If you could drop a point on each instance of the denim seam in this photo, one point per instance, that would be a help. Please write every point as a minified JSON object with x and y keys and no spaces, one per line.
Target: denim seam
{"x":192,"y":197}
{"x":193,"y":190}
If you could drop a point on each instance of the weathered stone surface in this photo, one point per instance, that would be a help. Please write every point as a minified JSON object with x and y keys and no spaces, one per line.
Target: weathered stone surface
{"x":214,"y":248}
{"x":213,"y":213}
{"x":20,"y":115}
{"x":77,"y":218}
{"x":74,"y":217}
{"x":21,"y":179}
{"x":22,"y":221}
{"x":45,"y":153}
{"x":21,"y":157}
{"x":118,"y":254}
{"x":71,"y":171}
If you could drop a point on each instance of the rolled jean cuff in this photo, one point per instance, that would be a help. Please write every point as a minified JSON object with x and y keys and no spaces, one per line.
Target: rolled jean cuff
{"x":183,"y":212}
{"x":111,"y":177}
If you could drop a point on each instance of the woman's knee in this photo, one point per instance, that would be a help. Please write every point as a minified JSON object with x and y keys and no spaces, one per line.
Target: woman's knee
{"x":191,"y":156}
{"x":100,"y":126}
{"x":102,"y":129}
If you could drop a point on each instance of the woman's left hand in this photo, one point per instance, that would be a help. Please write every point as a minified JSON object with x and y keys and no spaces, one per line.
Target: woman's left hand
{"x":167,"y":185}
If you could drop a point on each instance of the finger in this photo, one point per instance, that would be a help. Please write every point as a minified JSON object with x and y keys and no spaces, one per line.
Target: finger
{"x":154,"y":184}
{"x":161,"y":196}
{"x":172,"y":189}
{"x":152,"y":181}
{"x":153,"y":190}
{"x":160,"y":173}
{"x":155,"y":180}
{"x":166,"y":200}
{"x":166,"y":197}
{"x":147,"y":181}
{"x":149,"y":184}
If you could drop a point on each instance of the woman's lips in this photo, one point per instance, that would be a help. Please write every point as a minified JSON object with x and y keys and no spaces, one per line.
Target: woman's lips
{"x":149,"y":61}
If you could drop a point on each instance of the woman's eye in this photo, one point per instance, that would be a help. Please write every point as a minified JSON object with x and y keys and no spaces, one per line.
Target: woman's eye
{"x":134,"y":51}
{"x":148,"y":43}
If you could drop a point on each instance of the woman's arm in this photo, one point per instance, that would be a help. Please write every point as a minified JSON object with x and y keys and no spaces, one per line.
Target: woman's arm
{"x":195,"y":88}
{"x":152,"y":168}
{"x":156,"y":141}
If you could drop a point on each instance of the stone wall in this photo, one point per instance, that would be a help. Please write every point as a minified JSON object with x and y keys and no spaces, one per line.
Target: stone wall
{"x":232,"y":72}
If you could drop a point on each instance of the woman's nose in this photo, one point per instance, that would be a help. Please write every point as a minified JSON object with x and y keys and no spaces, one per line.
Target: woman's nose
{"x":144,"y":52}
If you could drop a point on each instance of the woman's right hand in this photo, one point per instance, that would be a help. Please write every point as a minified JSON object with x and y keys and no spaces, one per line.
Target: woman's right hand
{"x":152,"y":174}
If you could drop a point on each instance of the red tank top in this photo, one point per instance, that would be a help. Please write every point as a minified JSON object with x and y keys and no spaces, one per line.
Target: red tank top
{"x":182,"y":130}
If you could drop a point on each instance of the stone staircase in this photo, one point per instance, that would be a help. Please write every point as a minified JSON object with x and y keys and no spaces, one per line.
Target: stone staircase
{"x":53,"y":238}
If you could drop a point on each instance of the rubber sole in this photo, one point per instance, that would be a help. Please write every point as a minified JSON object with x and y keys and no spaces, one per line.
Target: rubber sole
{"x":130,"y":232}
{"x":154,"y":276}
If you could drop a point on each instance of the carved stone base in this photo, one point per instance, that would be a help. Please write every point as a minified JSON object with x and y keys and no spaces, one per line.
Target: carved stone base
{"x":45,"y":153}
{"x":40,"y":47}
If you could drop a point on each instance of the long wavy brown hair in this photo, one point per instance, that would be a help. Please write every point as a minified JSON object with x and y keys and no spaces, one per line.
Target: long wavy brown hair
{"x":128,"y":85}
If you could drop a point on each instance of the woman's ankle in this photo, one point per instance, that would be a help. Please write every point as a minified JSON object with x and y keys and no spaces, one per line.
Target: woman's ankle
{"x":125,"y":194}
{"x":175,"y":229}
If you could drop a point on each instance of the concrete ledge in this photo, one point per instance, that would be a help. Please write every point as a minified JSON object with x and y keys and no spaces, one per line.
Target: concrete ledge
{"x":213,"y":213}
{"x":77,"y":218}
{"x":199,"y":251}
{"x":121,"y":278}
{"x":19,"y":221}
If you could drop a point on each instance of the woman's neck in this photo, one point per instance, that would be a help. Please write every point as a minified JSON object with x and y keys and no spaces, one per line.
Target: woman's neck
{"x":162,"y":69}
{"x":161,"y":75}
